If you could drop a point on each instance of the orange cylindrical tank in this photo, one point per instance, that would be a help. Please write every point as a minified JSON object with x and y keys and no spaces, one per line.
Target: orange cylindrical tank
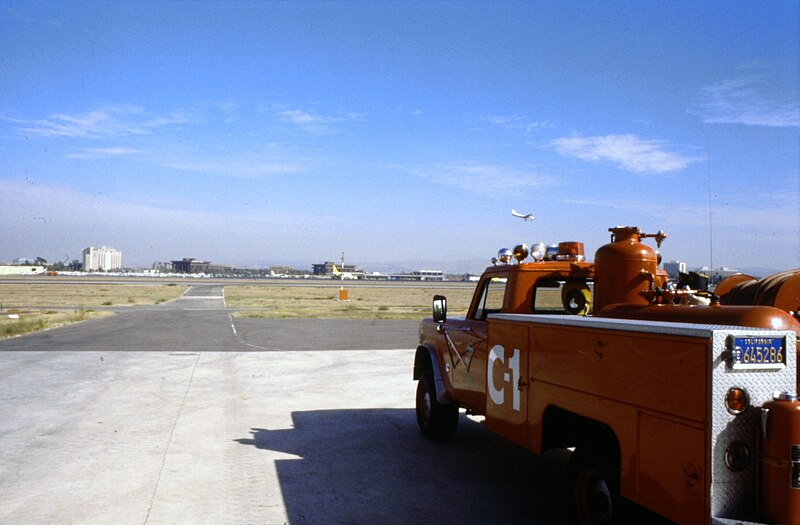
{"x":727,"y":285}
{"x":623,"y":268}
{"x":781,"y":290}
{"x":766,"y":317}
{"x":780,"y":460}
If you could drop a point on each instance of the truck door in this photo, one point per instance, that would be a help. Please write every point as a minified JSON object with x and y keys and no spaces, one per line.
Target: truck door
{"x":468,"y":358}
{"x":507,"y":381}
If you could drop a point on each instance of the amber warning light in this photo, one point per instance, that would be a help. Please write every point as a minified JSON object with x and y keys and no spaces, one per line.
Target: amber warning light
{"x":737,"y":400}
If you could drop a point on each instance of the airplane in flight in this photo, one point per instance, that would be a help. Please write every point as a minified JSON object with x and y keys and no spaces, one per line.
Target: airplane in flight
{"x":524,"y":216}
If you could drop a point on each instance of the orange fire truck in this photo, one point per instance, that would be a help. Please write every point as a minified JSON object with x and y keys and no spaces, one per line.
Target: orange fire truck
{"x":670,"y":399}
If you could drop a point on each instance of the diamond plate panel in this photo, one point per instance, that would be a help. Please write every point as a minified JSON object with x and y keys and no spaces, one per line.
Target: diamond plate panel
{"x":733,"y":494}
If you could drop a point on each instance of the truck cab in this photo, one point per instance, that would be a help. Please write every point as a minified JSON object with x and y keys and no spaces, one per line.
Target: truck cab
{"x":667,"y":400}
{"x":560,"y":287}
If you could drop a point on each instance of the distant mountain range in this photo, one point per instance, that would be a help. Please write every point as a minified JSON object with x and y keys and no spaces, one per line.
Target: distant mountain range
{"x":759,"y":271}
{"x":476,"y":267}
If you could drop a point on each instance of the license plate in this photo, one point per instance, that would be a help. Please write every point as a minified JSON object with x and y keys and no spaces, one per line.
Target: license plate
{"x":758,"y":352}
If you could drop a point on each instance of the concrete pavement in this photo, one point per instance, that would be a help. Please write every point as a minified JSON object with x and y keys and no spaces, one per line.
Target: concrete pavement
{"x":183,"y":414}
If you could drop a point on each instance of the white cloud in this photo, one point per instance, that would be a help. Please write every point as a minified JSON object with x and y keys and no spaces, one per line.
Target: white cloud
{"x":97,"y":153}
{"x":745,"y":100}
{"x":104,"y":122}
{"x":672,"y":213}
{"x":316,"y":123}
{"x":297,"y":116}
{"x":264,"y":160}
{"x":627,"y":151}
{"x":483,"y":179}
{"x":518,"y":123}
{"x":532,"y":126}
{"x":503,"y":120}
{"x":238,"y":166}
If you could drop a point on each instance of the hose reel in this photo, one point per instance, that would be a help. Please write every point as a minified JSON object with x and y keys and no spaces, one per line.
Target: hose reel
{"x":576,"y":297}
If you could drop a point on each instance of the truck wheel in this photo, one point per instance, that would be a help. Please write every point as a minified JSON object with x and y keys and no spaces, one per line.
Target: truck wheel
{"x":592,"y":490}
{"x":436,"y":421}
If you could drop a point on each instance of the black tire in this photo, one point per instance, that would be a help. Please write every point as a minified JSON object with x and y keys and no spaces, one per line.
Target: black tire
{"x":435,"y":420}
{"x":592,"y":489}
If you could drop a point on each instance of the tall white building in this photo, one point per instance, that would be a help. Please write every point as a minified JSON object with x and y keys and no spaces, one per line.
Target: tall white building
{"x":674,"y":268}
{"x":103,"y":258}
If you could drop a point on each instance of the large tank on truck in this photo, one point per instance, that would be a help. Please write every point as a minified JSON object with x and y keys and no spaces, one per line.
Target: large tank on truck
{"x":781,"y":290}
{"x":670,"y":398}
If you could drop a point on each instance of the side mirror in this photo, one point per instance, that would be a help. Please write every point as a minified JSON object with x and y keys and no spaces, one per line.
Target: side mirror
{"x":439,"y":308}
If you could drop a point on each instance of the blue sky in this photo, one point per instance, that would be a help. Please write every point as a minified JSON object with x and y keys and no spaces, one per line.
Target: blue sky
{"x":255,"y":133}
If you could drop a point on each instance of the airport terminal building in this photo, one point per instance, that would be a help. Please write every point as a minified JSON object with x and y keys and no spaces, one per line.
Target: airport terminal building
{"x":326,"y":268}
{"x":190,"y":265}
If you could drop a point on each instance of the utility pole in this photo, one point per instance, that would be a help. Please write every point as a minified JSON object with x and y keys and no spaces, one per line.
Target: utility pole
{"x":344,"y":295}
{"x":710,"y":213}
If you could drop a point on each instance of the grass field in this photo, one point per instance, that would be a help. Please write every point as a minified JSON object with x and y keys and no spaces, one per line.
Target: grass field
{"x":85,"y":295}
{"x":317,"y":302}
{"x":16,"y":322}
{"x":29,"y":307}
{"x":24,"y":307}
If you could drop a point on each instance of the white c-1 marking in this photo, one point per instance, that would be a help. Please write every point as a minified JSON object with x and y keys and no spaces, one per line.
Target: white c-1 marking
{"x":498,"y":395}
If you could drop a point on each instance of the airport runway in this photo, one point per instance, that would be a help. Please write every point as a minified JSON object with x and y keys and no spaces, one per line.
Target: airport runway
{"x":182,"y":413}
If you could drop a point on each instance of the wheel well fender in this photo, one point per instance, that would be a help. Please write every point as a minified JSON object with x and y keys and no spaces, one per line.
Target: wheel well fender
{"x":563,"y":429}
{"x":426,"y":359}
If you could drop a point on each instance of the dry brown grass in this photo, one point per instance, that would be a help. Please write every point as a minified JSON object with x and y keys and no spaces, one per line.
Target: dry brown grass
{"x":16,"y":322}
{"x":24,"y":303}
{"x":85,"y":295}
{"x":301,"y":302}
{"x":315,"y":302}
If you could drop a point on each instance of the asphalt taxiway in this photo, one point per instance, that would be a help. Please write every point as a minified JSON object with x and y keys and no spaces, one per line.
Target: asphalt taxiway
{"x":183,"y":413}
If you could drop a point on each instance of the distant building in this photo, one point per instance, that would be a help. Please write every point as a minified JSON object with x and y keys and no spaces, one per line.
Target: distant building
{"x":726,"y":272}
{"x":674,"y":269}
{"x":190,"y":265}
{"x":716,"y":275}
{"x":21,"y":269}
{"x":159,"y":266}
{"x":103,"y":258}
{"x":420,"y":275}
{"x":25,"y":260}
{"x":429,"y":275}
{"x":326,"y":268}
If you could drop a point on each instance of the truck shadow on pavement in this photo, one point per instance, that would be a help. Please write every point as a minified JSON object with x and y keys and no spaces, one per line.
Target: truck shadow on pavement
{"x":374,"y":466}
